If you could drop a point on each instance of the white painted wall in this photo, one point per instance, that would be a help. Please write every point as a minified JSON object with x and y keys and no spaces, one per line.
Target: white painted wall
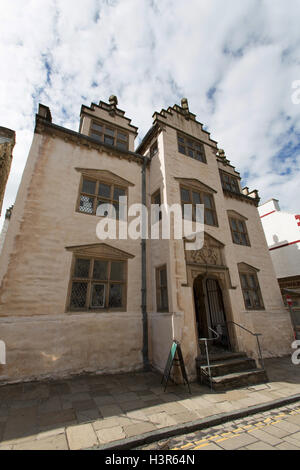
{"x":282,"y":228}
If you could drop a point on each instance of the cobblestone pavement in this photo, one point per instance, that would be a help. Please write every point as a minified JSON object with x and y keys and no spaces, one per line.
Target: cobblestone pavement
{"x":94,"y":410}
{"x":278,"y":429}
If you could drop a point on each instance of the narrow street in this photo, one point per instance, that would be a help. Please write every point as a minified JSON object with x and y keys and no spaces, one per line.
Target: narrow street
{"x":277,"y":429}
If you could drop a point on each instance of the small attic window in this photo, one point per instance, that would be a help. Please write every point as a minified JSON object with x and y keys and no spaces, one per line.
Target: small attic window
{"x":109,"y":135}
{"x":153,"y":149}
{"x":191,"y":147}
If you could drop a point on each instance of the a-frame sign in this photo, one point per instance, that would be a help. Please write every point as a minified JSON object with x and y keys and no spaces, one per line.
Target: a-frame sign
{"x":175,"y":357}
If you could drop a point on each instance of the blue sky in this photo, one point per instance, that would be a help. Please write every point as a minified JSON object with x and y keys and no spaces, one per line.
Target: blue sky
{"x":235,"y":61}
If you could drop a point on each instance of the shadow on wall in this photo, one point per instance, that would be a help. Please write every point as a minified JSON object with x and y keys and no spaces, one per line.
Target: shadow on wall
{"x":294,"y":251}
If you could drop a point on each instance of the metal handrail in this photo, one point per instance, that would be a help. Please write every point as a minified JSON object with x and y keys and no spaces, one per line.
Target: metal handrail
{"x":207,"y":354}
{"x":217,"y":336}
{"x":257,"y":339}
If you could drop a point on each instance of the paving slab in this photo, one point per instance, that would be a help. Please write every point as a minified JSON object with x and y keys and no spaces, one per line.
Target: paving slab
{"x":259,"y":446}
{"x":137,"y":429}
{"x":110,"y":434}
{"x":237,"y":442}
{"x":51,"y":443}
{"x":137,"y":403}
{"x":80,"y":437}
{"x":263,"y":435}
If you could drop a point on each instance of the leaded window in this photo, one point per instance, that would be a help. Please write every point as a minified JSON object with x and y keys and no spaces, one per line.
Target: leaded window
{"x":156,"y":199}
{"x":153,"y":149}
{"x":162,"y":289}
{"x":239,"y":231}
{"x":98,"y":284}
{"x":251,"y":290}
{"x":109,"y":135}
{"x":191,"y":147}
{"x":95,"y":193}
{"x":230,"y":182}
{"x":194,"y":197}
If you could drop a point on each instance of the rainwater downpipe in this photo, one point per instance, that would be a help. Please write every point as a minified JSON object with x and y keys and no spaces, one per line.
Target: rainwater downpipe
{"x":144,"y":270}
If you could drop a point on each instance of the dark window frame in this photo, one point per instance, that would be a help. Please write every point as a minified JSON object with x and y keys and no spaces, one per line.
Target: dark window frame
{"x":202,"y":194}
{"x":153,"y":149}
{"x":191,"y":147}
{"x":91,"y":281}
{"x":251,"y":289}
{"x":98,"y":197}
{"x":155,"y":195}
{"x":230,"y":182}
{"x":237,"y":235}
{"x":161,"y":287}
{"x":109,"y":131}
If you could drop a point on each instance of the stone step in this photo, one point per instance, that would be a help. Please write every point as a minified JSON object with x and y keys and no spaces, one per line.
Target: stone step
{"x":237,"y":379}
{"x":229,"y":366}
{"x":202,"y":360}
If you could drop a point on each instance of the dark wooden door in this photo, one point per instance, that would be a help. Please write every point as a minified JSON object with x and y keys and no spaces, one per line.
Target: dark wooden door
{"x":217,"y":312}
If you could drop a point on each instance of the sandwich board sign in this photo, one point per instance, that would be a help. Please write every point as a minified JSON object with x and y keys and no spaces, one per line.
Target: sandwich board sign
{"x":175,"y":357}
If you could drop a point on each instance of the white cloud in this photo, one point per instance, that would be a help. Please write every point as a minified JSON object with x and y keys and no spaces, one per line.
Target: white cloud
{"x":151,"y":53}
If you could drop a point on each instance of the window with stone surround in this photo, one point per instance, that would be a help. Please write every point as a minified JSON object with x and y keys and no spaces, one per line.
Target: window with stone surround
{"x":230,"y":182}
{"x":108,"y":134}
{"x":153,"y":149}
{"x":162,"y":289}
{"x":98,"y":284}
{"x":191,"y":147}
{"x":250,"y":287}
{"x":156,"y":199}
{"x":193,"y":196}
{"x":94,"y":193}
{"x":239,"y":231}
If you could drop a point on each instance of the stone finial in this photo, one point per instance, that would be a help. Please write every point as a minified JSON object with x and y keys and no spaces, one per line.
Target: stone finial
{"x":185,"y":104}
{"x":113,"y":101}
{"x":221,"y":153}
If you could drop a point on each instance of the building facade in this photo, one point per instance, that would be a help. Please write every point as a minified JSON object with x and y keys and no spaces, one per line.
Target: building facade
{"x":7,"y":143}
{"x":282,"y":230}
{"x":71,"y":302}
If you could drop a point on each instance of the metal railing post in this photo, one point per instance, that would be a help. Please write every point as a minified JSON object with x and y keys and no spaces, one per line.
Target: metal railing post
{"x":257,"y":340}
{"x":259,"y":350}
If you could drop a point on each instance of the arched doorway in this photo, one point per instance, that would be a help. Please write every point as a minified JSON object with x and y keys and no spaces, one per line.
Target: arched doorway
{"x":210,"y":311}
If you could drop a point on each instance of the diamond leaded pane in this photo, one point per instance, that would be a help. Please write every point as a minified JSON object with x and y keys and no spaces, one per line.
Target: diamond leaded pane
{"x":78,"y":294}
{"x":82,"y":268}
{"x":86,"y":204}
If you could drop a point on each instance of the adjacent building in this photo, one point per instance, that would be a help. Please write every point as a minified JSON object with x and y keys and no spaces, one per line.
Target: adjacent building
{"x":71,"y":302}
{"x":282,"y":230}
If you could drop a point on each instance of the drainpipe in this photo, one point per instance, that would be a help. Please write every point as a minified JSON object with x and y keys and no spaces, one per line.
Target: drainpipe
{"x":144,"y":270}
